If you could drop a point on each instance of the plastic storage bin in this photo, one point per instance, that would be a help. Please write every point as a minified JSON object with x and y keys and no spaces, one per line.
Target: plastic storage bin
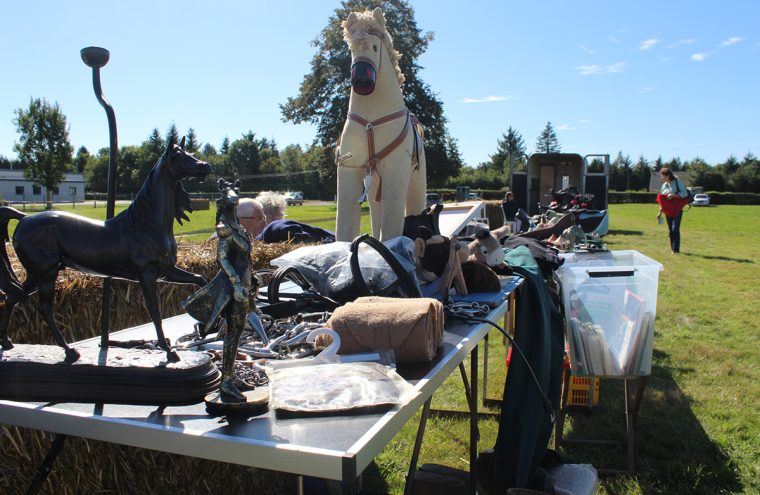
{"x":610,"y":302}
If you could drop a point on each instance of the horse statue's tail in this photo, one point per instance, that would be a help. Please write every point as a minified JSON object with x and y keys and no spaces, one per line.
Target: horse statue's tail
{"x":9,"y":282}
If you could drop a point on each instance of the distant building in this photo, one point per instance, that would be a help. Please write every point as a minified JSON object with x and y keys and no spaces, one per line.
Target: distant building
{"x":15,"y":187}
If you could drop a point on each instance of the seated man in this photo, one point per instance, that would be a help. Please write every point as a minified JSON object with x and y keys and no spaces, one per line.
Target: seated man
{"x":271,"y":207}
{"x":286,"y":230}
{"x":251,"y":215}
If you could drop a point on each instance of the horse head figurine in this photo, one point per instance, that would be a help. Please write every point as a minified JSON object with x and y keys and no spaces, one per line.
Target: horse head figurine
{"x":137,"y":244}
{"x":379,"y":154}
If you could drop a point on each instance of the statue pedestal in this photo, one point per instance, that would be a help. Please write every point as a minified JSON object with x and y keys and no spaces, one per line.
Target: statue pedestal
{"x":256,"y":402}
{"x":37,"y":373}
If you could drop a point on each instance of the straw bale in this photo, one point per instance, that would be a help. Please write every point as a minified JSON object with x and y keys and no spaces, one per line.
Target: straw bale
{"x":88,"y":466}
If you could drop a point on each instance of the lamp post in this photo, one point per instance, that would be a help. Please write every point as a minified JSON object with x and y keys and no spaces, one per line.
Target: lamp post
{"x":96,"y":57}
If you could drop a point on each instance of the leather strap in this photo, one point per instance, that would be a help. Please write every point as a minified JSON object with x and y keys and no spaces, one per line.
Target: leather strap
{"x":369,"y":126}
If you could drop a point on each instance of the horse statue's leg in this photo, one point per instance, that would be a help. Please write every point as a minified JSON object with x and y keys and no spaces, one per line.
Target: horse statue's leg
{"x":350,"y":188}
{"x":177,"y":275}
{"x":5,"y":320}
{"x":415,"y":195}
{"x":45,"y":299}
{"x":396,"y":170}
{"x":148,"y":285}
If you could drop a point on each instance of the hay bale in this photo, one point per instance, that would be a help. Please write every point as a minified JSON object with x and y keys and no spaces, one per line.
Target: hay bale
{"x":88,"y":466}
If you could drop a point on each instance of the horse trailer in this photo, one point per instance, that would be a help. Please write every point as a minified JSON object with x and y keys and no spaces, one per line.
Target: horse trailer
{"x":547,"y":174}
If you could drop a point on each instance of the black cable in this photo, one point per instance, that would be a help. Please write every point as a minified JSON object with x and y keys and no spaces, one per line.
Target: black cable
{"x":548,"y":407}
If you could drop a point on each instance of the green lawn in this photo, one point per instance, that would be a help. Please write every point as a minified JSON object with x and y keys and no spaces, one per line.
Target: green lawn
{"x":699,"y":426}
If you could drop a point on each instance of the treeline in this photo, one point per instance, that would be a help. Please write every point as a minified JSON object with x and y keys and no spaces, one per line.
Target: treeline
{"x":732,"y":175}
{"x":257,"y":161}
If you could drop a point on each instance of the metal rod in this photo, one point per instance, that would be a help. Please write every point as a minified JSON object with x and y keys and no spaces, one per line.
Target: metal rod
{"x":47,"y":464}
{"x":96,"y":58}
{"x":409,"y":486}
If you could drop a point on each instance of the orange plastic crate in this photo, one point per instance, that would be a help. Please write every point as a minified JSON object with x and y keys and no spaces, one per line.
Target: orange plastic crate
{"x":578,"y":390}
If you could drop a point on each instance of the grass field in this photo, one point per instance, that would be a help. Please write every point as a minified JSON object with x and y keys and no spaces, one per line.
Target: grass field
{"x":699,"y":425}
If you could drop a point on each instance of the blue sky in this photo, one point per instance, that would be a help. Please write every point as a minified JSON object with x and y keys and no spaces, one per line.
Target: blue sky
{"x":653,"y":78}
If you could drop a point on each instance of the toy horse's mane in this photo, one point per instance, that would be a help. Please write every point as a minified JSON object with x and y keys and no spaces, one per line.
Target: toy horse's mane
{"x":357,"y":36}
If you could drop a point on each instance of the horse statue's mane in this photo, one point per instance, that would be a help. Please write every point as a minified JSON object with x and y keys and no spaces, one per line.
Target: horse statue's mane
{"x":356,"y":33}
{"x":140,"y":211}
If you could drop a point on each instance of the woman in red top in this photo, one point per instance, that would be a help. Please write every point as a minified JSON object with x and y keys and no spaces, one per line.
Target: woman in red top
{"x":672,"y":198}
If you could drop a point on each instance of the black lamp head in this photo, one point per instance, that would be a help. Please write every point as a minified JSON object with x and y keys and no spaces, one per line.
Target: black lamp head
{"x":94,"y":56}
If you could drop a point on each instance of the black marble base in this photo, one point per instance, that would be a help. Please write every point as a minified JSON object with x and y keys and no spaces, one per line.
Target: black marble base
{"x":38,"y":373}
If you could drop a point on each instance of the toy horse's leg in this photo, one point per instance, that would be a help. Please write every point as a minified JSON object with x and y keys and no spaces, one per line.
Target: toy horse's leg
{"x":375,"y":209}
{"x":350,"y":187}
{"x":148,"y":284}
{"x":415,"y":196}
{"x":45,"y":299}
{"x":395,"y":173}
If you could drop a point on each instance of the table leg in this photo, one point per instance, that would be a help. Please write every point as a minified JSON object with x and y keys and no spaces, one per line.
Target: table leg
{"x":485,"y":369}
{"x":629,"y":431}
{"x":474,"y":432}
{"x":47,"y":464}
{"x":409,"y":486}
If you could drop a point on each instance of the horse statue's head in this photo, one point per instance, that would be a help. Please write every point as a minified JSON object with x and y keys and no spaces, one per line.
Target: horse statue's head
{"x":371,"y":49}
{"x":183,"y":165}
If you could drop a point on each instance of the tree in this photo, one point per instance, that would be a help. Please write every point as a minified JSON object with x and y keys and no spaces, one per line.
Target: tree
{"x":192,"y":145}
{"x":510,"y":145}
{"x":291,"y":158}
{"x":225,"y":147}
{"x":172,"y":136}
{"x":244,"y":155}
{"x":208,"y":150}
{"x":80,"y":160}
{"x":547,"y":141}
{"x":324,"y":92}
{"x":43,"y":146}
{"x":620,"y":172}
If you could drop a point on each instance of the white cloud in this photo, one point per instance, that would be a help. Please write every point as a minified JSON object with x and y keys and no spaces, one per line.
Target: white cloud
{"x":584,"y":121}
{"x":732,"y":41}
{"x":586,"y":49}
{"x":613,"y":39}
{"x":487,"y":99}
{"x":565,"y":127}
{"x":699,"y":57}
{"x":646,"y":89}
{"x":648,"y":44}
{"x":683,"y":41}
{"x":594,"y":69}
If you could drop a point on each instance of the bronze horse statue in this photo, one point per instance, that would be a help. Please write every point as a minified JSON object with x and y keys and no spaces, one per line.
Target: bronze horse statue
{"x":137,"y":244}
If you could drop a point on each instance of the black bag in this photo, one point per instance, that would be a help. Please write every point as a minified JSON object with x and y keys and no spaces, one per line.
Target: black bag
{"x":428,"y":219}
{"x":357,"y":286}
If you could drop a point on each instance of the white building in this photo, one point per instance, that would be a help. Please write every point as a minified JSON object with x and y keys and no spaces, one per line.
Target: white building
{"x":15,"y":187}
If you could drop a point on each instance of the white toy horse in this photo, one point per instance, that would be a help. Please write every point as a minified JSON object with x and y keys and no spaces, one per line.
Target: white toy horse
{"x":379,"y":155}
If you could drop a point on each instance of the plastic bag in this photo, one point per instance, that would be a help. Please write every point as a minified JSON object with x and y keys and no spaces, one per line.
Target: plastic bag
{"x":327,"y":267}
{"x":336,"y":388}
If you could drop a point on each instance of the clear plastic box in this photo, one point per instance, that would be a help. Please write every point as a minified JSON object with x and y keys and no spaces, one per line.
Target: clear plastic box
{"x":610,"y":302}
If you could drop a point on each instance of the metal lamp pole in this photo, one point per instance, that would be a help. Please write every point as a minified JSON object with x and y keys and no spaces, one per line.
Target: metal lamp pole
{"x":96,"y":58}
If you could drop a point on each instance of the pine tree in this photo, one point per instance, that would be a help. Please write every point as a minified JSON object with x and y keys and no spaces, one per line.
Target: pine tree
{"x":510,"y":145}
{"x":547,"y":141}
{"x":172,"y":136}
{"x":192,"y":145}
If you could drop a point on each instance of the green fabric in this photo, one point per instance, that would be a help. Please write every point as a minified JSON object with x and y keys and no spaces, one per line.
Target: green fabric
{"x":525,"y":427}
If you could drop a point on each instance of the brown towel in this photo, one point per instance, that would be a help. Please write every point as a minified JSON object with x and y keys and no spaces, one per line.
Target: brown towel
{"x":413,"y":328}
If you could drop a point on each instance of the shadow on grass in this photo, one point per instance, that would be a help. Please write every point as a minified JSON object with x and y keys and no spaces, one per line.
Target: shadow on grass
{"x":674,"y":454}
{"x":625,"y":232}
{"x":720,"y":258}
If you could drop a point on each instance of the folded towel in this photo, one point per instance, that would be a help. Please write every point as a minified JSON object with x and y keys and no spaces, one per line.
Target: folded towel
{"x":413,"y":327}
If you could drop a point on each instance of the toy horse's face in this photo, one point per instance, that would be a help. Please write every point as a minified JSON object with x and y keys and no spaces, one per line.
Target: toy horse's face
{"x":184,"y":165}
{"x":365,"y":63}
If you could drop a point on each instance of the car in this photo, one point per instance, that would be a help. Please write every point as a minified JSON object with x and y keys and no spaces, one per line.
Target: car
{"x":433,"y":199}
{"x":472,"y":196}
{"x":701,"y":199}
{"x":294,"y":198}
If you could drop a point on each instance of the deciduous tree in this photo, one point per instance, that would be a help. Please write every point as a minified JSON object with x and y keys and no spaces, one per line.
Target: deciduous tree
{"x":43,"y":145}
